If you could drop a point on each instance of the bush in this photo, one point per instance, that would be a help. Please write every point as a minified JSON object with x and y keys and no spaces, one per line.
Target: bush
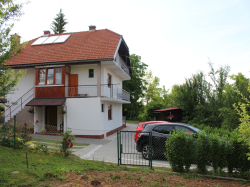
{"x":180,"y":151}
{"x":66,"y":143}
{"x":7,"y":135}
{"x":183,"y":150}
{"x":237,"y":154}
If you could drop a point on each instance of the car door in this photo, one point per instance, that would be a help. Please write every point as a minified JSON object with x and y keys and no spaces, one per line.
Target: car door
{"x":159,"y":136}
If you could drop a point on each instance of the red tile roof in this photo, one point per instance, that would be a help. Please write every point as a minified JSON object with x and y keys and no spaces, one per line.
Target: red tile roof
{"x":99,"y":44}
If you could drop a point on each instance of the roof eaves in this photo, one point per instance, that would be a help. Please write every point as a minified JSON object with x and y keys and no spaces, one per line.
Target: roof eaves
{"x":117,"y":49}
{"x":57,"y":63}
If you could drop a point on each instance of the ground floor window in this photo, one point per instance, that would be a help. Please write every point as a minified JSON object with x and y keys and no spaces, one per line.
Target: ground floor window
{"x":109,"y":112}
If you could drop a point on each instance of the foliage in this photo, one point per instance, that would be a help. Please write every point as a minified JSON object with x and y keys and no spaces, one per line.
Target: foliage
{"x":136,"y":86}
{"x":208,"y":149}
{"x":22,"y":137}
{"x":9,"y":46}
{"x":41,"y":148}
{"x":67,"y":143}
{"x":244,"y":127}
{"x":180,"y":151}
{"x":58,"y":25}
{"x":236,"y":154}
{"x":219,"y":79}
{"x":191,"y":97}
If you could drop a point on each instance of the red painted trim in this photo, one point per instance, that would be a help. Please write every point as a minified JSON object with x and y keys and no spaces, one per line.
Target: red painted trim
{"x":114,"y":131}
{"x":90,"y":136}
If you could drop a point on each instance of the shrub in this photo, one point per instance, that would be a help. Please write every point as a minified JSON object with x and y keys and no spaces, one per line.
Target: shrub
{"x":180,"y":151}
{"x":66,"y":143}
{"x":237,"y":154}
{"x":203,"y":150}
{"x":7,"y":135}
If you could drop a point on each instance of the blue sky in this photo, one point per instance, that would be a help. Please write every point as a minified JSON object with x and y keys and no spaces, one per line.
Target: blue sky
{"x":174,"y":37}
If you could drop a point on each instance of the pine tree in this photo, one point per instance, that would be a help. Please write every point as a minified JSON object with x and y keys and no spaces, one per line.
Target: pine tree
{"x":59,"y":23}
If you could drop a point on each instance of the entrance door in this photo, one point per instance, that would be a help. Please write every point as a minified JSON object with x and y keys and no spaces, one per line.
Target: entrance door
{"x":51,"y":118}
{"x":73,"y":85}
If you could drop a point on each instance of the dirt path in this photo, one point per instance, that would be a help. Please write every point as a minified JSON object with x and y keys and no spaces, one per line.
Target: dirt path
{"x":131,"y":179}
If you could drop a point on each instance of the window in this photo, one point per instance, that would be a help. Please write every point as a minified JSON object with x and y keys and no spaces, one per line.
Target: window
{"x":58,"y":75}
{"x":91,"y":73}
{"x":184,"y":129}
{"x":50,"y":76}
{"x":102,"y":107}
{"x":109,"y":112}
{"x":42,"y":76}
{"x":163,"y":129}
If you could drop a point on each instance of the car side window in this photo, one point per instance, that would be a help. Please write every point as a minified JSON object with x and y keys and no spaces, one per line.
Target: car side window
{"x":184,"y":129}
{"x":163,"y":129}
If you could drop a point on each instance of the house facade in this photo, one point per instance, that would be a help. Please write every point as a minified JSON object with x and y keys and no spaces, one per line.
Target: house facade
{"x":72,"y":80}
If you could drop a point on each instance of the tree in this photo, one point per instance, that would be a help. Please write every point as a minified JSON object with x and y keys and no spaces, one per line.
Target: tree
{"x":191,"y":97}
{"x":135,"y":86}
{"x":58,"y":25}
{"x":9,"y":46}
{"x":219,"y":79}
{"x":244,"y":128}
{"x":153,"y":91}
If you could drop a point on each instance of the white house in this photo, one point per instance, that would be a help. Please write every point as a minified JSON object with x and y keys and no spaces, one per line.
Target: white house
{"x":79,"y":73}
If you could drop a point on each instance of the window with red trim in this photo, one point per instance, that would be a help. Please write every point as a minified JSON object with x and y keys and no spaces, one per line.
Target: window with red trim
{"x":50,"y":76}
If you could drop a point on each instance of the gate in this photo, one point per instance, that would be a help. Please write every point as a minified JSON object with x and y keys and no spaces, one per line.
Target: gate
{"x":127,"y":149}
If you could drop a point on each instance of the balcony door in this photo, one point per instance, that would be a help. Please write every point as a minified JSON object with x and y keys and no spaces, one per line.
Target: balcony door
{"x":73,"y":85}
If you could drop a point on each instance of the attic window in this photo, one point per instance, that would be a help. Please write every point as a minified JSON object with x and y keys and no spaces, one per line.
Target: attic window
{"x":51,"y":40}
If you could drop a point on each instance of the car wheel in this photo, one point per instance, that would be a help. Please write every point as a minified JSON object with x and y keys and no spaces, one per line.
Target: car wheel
{"x":145,"y":151}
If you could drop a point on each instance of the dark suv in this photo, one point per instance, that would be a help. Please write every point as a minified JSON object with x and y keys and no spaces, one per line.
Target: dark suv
{"x":160,"y":133}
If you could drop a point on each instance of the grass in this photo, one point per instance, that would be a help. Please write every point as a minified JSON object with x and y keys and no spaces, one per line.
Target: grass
{"x":39,"y":164}
{"x":56,"y":142}
{"x":133,"y":122}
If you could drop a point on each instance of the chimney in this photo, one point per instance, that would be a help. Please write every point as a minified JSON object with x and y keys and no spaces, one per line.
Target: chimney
{"x":46,"y":33}
{"x":15,"y":38}
{"x":92,"y":28}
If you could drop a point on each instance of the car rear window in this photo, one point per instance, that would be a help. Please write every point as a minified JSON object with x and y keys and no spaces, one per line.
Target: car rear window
{"x":164,"y":129}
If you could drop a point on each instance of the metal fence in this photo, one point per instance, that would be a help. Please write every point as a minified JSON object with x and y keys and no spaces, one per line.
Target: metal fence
{"x":121,"y":148}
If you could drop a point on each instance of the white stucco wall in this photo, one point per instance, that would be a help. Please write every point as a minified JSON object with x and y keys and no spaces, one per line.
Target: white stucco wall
{"x":25,"y":84}
{"x":83,"y":74}
{"x":115,"y":79}
{"x":83,"y":116}
{"x":39,"y":115}
{"x":116,"y":116}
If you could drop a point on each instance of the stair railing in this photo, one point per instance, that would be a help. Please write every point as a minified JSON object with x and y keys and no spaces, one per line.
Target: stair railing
{"x":18,"y":105}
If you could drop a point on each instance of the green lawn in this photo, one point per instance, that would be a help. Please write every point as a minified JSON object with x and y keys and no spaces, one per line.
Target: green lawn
{"x":55,"y":142}
{"x":133,"y":122}
{"x":39,"y":164}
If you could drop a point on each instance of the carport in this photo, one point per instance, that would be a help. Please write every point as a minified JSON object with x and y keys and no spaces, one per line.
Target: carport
{"x":169,"y":114}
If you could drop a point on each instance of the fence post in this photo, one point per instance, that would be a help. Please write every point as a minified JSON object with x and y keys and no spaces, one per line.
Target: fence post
{"x":150,"y":149}
{"x":14,"y":131}
{"x":118,"y":147}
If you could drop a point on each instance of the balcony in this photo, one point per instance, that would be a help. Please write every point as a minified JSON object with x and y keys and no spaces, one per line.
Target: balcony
{"x":107,"y":91}
{"x":120,"y":68}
